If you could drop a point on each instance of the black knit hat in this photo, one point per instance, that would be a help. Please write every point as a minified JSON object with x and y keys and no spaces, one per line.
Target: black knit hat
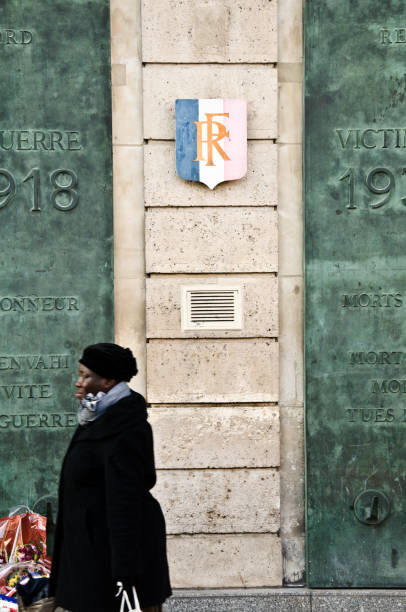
{"x":110,"y":361}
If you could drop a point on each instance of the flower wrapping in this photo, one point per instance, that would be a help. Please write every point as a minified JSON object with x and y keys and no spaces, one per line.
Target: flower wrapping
{"x":22,"y":537}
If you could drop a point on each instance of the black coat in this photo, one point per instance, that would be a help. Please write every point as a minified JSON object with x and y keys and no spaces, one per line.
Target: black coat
{"x":109,"y":526}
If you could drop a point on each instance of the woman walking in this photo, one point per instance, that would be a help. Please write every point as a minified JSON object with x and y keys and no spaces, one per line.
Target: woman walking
{"x":109,"y":528}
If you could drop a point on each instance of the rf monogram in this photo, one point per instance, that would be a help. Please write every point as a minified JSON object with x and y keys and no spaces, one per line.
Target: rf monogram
{"x":212,"y":138}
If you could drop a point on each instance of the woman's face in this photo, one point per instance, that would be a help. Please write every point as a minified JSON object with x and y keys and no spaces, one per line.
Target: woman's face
{"x":89,"y":382}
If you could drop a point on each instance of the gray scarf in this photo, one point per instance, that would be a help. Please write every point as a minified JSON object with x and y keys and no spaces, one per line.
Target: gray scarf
{"x":92,"y":406}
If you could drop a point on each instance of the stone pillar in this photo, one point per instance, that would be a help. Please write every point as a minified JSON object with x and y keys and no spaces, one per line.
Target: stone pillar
{"x":290,"y":71}
{"x":129,"y":260}
{"x":214,"y":395}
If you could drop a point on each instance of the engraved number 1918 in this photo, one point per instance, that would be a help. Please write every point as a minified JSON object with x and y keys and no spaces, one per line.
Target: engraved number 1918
{"x":64,"y":196}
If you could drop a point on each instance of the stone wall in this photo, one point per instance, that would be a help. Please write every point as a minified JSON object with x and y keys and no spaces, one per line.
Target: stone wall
{"x":228,"y":432}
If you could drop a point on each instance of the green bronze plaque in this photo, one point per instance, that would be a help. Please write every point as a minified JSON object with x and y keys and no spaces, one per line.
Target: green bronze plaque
{"x":56,"y":285}
{"x":355,"y":209}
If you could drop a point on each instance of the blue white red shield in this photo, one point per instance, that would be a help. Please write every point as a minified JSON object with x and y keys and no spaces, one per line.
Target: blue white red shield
{"x":211,"y":140}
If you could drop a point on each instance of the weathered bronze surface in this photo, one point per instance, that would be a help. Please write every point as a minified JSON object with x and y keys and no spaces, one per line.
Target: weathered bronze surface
{"x":355,"y":200}
{"x":56,"y":287}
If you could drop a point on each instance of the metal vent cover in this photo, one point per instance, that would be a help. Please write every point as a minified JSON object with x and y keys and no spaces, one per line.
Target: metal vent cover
{"x":211,"y":307}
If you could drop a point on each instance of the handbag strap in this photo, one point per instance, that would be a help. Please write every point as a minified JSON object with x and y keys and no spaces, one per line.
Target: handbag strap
{"x":125,"y":600}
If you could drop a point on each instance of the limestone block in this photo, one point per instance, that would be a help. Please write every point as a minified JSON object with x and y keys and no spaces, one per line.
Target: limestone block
{"x":127,"y":105}
{"x":290,"y":113}
{"x":125,"y":29}
{"x":163,"y":84}
{"x":129,"y":221}
{"x":129,"y":325}
{"x":215,"y":436}
{"x":290,"y":210}
{"x":291,"y":341}
{"x":260,"y":305}
{"x":211,"y":240}
{"x":290,"y":29}
{"x":205,"y":371}
{"x":126,"y":71}
{"x":219,"y":501}
{"x":215,"y":561}
{"x":294,"y":561}
{"x":292,"y":472}
{"x":163,"y":187}
{"x":209,"y":31}
{"x":290,"y":73}
{"x":292,"y":495}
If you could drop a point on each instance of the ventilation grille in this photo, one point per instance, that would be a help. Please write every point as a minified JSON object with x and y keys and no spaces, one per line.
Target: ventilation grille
{"x":211,"y":307}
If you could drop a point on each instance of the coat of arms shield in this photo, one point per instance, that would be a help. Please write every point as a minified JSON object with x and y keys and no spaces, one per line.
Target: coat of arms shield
{"x":211,"y":140}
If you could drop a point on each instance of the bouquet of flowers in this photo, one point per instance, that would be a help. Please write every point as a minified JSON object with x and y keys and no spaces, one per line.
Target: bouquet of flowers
{"x":22,"y":550}
{"x":30,"y":552}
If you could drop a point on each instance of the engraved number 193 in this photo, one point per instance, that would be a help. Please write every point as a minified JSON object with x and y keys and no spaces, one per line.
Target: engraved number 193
{"x":379,"y":181}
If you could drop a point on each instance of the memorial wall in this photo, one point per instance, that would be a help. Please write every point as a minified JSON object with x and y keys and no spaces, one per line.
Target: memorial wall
{"x":56,"y":285}
{"x":355,"y":199}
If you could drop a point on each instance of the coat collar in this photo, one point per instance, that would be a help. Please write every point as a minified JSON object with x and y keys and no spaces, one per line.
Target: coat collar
{"x":128,"y":412}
